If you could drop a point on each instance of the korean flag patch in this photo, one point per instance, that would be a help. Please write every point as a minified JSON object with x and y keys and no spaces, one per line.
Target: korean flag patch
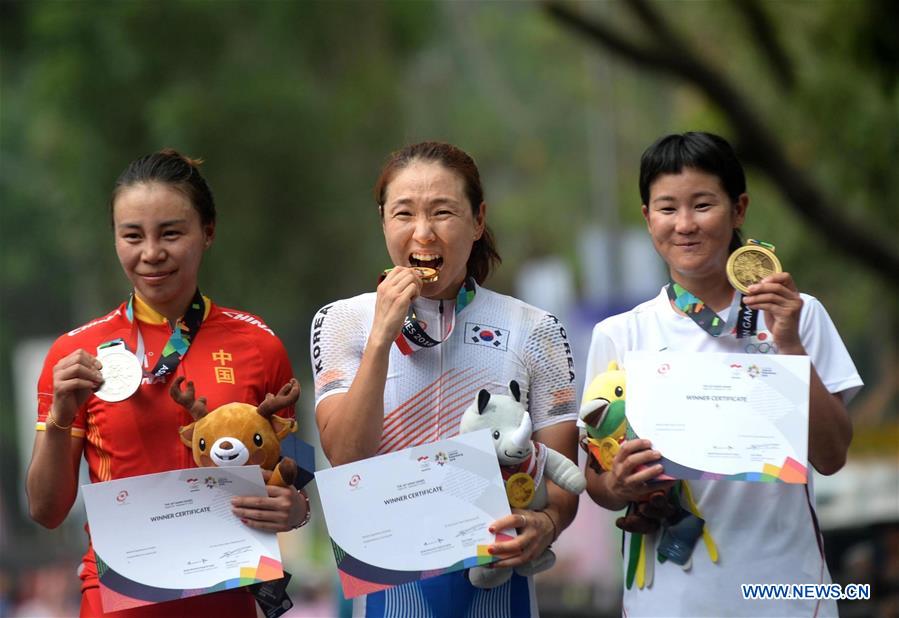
{"x":483,"y":334}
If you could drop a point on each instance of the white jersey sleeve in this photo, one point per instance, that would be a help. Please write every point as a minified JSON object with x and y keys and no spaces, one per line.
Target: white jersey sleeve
{"x":337,"y":341}
{"x":547,"y":357}
{"x":826,"y":350}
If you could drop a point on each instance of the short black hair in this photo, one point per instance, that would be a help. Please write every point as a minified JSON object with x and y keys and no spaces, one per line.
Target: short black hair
{"x":703,"y":151}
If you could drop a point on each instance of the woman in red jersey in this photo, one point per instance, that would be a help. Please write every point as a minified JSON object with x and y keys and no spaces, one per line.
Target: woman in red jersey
{"x":163,"y":218}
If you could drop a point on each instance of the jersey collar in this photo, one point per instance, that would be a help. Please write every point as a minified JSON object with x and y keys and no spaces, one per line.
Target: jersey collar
{"x":148,"y":315}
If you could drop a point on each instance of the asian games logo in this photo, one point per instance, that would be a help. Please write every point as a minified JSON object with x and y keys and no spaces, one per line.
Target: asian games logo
{"x":122,"y":496}
{"x":441,"y":458}
{"x":753,"y":371}
{"x":355,"y":480}
{"x":663,"y":369}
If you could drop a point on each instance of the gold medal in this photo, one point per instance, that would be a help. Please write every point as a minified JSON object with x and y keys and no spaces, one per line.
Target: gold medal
{"x":427,"y":274}
{"x":608,"y":448}
{"x":750,"y":264}
{"x":520,"y":490}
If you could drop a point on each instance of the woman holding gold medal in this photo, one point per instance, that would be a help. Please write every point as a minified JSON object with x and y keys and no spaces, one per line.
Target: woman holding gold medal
{"x":104,"y":389}
{"x":694,"y":201}
{"x":397,"y":367}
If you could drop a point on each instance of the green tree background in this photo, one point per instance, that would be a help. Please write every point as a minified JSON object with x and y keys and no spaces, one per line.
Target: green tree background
{"x":294,"y":106}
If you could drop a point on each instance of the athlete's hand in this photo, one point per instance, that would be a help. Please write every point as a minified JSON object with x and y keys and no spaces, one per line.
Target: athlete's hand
{"x":395,"y":294}
{"x":778,"y":296}
{"x":535,"y":534}
{"x":280,"y":511}
{"x":634,"y":466}
{"x":75,"y":377}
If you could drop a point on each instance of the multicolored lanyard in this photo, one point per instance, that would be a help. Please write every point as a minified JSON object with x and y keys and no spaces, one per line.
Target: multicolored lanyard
{"x":741,"y":320}
{"x":413,"y":336}
{"x":183,"y":332}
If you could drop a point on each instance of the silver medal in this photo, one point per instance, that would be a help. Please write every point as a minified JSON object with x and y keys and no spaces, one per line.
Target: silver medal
{"x":122,"y":373}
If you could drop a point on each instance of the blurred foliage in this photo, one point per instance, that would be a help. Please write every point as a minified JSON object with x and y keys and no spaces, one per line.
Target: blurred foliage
{"x":294,"y":106}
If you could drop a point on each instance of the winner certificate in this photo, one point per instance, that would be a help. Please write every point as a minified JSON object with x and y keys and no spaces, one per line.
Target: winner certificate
{"x":171,"y":535}
{"x":737,"y":417}
{"x":413,"y":514}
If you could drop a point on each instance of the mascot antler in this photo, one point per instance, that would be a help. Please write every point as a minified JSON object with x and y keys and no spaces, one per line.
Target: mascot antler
{"x":187,"y":398}
{"x":287,"y":396}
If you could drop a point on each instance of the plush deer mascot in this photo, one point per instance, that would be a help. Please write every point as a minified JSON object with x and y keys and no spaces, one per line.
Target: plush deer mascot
{"x":236,"y":434}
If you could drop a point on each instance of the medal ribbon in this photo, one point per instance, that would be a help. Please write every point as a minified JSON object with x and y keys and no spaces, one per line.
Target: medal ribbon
{"x":533,"y":466}
{"x":760,"y":243}
{"x":526,"y":466}
{"x":742,"y":320}
{"x":413,"y":336}
{"x":183,"y":332}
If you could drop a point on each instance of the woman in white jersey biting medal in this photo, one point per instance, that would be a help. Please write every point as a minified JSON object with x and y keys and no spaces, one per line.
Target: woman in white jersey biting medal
{"x":396,"y":367}
{"x":723,"y":297}
{"x":104,"y":390}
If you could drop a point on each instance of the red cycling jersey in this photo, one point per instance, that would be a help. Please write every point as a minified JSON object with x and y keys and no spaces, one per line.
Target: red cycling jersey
{"x":233,"y":357}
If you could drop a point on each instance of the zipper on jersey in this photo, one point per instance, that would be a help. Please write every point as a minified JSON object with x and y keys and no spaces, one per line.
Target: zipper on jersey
{"x":440,"y":372}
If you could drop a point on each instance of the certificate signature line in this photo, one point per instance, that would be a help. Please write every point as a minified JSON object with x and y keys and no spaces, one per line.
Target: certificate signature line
{"x":236,"y":551}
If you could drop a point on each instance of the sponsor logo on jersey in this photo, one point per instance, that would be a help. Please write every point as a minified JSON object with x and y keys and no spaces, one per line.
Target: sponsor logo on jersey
{"x":567,"y":346}
{"x":249,"y":319}
{"x":484,"y":334}
{"x":316,"y":339}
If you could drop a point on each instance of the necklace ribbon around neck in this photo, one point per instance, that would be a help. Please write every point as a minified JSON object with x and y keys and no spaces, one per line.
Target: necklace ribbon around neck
{"x":741,"y":320}
{"x":413,"y":337}
{"x":184,"y":331}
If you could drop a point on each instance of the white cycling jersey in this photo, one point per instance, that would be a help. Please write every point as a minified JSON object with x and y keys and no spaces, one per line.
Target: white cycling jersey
{"x":490,"y":341}
{"x":495,"y":339}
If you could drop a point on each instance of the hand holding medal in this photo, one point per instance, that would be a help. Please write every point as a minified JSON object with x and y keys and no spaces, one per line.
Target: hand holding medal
{"x":745,"y":267}
{"x":397,"y":288}
{"x":756,"y":272}
{"x":411,"y":335}
{"x":75,"y":377}
{"x":425,"y":273}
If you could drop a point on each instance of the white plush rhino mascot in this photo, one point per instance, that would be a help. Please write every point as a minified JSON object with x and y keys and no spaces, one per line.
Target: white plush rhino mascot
{"x":525,"y":466}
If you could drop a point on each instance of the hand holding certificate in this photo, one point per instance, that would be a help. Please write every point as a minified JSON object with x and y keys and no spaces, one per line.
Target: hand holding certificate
{"x":722,"y":416}
{"x":171,"y":535}
{"x":415,"y":513}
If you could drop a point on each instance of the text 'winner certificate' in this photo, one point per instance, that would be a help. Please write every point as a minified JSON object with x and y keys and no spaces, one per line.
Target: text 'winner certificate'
{"x":415,"y":513}
{"x":172,"y":535}
{"x":741,"y":417}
